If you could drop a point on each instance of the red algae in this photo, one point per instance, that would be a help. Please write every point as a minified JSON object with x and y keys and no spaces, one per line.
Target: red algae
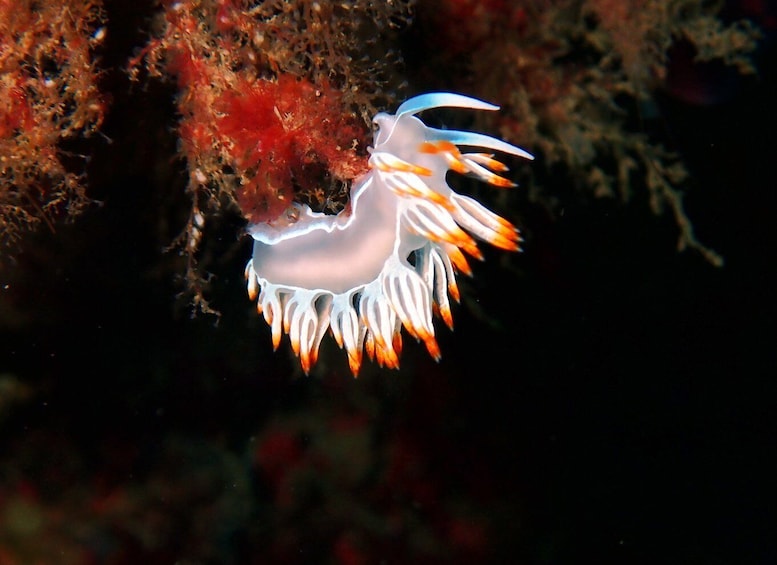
{"x":48,"y":94}
{"x":283,"y":135}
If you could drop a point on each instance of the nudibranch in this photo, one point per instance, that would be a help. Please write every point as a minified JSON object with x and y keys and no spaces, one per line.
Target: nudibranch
{"x":389,"y":259}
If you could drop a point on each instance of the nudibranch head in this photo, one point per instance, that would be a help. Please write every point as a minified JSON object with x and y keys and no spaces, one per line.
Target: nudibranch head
{"x":352,"y":273}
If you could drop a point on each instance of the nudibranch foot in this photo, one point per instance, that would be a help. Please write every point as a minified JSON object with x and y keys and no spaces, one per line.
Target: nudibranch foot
{"x":390,"y":261}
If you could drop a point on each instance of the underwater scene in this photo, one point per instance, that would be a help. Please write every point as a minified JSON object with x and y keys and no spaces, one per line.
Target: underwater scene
{"x":388,"y":282}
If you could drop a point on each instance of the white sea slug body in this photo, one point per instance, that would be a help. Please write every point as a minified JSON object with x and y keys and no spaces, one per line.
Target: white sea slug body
{"x":351,"y":273}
